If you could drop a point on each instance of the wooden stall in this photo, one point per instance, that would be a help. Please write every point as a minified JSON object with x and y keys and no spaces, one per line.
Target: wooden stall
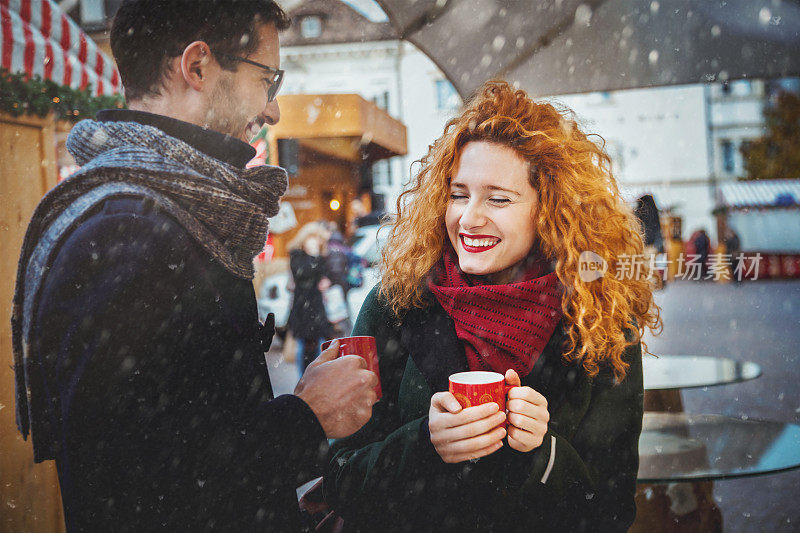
{"x":327,"y":143}
{"x":29,"y":493}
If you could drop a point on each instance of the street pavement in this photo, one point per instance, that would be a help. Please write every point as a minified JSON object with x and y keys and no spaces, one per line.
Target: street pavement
{"x":753,"y":321}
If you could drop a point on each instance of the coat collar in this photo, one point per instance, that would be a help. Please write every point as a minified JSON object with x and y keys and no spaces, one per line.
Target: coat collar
{"x":429,"y":336}
{"x":212,"y":143}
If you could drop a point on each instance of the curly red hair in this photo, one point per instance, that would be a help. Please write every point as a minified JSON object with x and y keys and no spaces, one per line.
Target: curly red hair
{"x":580,"y":209}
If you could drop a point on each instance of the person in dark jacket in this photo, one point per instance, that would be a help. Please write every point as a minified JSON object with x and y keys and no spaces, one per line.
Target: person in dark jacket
{"x":702,"y":250}
{"x":139,"y":357}
{"x":337,"y":260}
{"x":646,"y":212}
{"x":496,"y":221}
{"x":340,"y":263}
{"x":733,"y":247}
{"x":308,"y":320}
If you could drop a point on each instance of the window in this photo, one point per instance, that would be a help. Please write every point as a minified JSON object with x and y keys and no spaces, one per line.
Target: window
{"x":728,"y":163}
{"x":742,"y":87}
{"x":311,"y":26}
{"x":447,"y":98}
{"x":382,"y":174}
{"x":92,"y":12}
{"x":382,"y":100}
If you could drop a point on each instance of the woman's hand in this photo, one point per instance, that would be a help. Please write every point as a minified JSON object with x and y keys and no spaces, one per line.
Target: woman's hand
{"x":461,"y":434}
{"x":527,"y":415}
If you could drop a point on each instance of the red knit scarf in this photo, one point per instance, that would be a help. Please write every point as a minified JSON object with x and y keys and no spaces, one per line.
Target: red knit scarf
{"x":501,"y":326}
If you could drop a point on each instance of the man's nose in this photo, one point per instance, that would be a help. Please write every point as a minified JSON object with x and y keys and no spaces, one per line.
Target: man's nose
{"x":271,"y":113}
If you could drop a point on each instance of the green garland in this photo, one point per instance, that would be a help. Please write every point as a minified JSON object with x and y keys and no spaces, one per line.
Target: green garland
{"x":21,"y":95}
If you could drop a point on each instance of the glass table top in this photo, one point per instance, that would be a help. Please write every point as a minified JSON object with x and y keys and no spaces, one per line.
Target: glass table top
{"x":688,"y":371}
{"x":681,"y":447}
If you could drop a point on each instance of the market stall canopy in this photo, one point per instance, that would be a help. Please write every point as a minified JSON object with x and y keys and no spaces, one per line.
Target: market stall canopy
{"x":38,"y":39}
{"x":570,"y":46}
{"x":345,"y":126}
{"x":759,"y":194}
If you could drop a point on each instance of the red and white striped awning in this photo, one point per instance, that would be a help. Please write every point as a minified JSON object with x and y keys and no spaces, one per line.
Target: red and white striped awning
{"x":37,"y":38}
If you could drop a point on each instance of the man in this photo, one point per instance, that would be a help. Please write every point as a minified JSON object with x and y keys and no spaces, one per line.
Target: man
{"x":139,"y":355}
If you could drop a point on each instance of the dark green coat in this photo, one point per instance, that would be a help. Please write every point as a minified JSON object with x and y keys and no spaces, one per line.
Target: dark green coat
{"x":389,"y":477}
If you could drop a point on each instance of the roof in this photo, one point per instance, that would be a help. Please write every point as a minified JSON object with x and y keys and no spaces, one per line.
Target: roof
{"x":341,"y":125}
{"x":340,"y":23}
{"x":761,"y":193}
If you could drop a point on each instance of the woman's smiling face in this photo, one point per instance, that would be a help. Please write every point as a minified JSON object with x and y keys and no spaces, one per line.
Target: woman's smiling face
{"x":490,"y":214}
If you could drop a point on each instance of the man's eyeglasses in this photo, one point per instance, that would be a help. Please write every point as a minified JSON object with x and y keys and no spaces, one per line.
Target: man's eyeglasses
{"x":277,"y":74}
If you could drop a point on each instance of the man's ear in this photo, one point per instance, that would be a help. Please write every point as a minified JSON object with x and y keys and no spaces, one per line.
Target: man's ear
{"x":197,"y":64}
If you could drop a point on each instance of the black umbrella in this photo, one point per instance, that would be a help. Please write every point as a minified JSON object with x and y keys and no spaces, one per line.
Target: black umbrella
{"x":569,"y":46}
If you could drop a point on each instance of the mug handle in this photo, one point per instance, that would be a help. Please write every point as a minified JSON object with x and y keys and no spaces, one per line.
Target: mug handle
{"x":506,"y":388}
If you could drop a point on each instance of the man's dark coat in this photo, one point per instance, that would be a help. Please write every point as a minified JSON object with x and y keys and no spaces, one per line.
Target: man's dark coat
{"x":152,"y":355}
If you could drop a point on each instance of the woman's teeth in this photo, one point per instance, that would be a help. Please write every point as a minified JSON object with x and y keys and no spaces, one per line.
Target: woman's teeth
{"x":478,"y":243}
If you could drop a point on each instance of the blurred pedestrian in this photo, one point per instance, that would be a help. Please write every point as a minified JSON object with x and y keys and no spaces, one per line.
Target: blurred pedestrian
{"x":647,"y":213}
{"x":338,"y":261}
{"x":733,"y":248}
{"x":308,"y":320}
{"x":702,"y":249}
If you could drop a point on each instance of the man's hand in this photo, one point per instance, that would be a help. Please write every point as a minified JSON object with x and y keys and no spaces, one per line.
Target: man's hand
{"x":527,"y":415}
{"x":462,"y":434}
{"x":341,"y":392}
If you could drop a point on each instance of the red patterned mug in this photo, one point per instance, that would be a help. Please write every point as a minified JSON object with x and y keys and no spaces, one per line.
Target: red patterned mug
{"x":363,"y":347}
{"x":478,"y":387}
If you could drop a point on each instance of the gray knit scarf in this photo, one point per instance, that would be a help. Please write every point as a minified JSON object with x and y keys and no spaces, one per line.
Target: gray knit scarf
{"x":223,"y":207}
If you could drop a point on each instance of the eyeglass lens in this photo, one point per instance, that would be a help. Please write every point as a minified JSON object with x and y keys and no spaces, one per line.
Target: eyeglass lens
{"x":275,"y":86}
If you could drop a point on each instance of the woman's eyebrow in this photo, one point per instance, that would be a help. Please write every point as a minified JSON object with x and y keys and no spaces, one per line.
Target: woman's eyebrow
{"x":459,"y":185}
{"x":496,"y":188}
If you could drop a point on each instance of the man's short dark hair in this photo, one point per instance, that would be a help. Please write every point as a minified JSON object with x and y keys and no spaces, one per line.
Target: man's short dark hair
{"x":147,"y":34}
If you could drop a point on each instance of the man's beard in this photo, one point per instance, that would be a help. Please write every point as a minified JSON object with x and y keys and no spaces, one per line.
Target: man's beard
{"x":224,"y":113}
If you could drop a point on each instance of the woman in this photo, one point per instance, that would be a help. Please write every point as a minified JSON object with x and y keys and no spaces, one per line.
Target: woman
{"x":307,"y":320}
{"x":483,"y":272}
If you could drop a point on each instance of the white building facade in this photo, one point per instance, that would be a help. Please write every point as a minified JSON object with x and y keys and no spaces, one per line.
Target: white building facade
{"x":680,"y":143}
{"x":658,"y":142}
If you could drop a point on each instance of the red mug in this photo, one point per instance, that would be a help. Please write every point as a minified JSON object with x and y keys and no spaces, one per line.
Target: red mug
{"x":363,"y":347}
{"x":478,"y":387}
